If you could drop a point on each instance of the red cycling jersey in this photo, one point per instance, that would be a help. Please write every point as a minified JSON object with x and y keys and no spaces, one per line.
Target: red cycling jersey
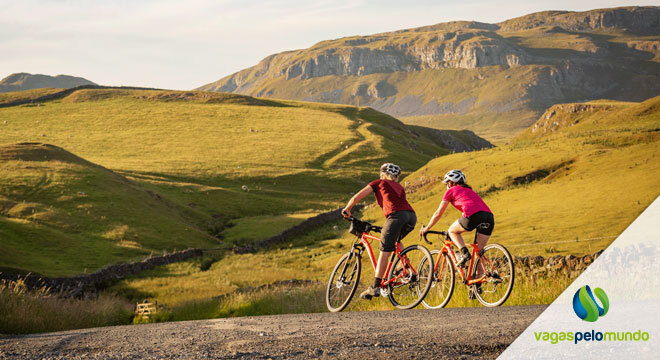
{"x":390,"y":196}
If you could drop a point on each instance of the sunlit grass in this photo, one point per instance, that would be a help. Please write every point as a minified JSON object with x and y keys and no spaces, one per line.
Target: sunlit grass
{"x":559,"y":214}
{"x":24,"y":312}
{"x":184,"y":167}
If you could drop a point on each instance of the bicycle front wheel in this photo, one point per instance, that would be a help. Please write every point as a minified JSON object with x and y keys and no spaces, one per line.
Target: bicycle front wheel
{"x":410,"y":277}
{"x":497,"y":264}
{"x":442,"y":285}
{"x":343,"y":282}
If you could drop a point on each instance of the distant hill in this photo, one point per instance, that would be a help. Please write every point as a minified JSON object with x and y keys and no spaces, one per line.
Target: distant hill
{"x":25,"y":81}
{"x":162,"y":170}
{"x":495,"y":79}
{"x":569,"y":184}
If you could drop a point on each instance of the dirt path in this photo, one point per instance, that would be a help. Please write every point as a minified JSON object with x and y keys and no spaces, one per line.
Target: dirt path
{"x":465,"y":333}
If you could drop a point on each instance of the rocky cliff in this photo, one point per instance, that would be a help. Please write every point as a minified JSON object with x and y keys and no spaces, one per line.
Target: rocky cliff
{"x":464,"y":48}
{"x":640,"y":20}
{"x":448,"y":75}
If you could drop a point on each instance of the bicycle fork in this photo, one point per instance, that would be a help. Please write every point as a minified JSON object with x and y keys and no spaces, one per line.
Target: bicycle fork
{"x":342,"y":280}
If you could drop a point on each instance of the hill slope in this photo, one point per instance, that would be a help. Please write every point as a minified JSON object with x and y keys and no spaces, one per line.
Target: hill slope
{"x":25,"y":81}
{"x":582,"y":172}
{"x":495,"y":79}
{"x":561,"y":192}
{"x":173,"y":168}
{"x":61,"y":214}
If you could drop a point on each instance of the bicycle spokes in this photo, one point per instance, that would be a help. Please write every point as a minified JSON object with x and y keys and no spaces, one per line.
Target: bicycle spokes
{"x":343,"y":282}
{"x":410,"y":277}
{"x":497,"y":266}
{"x":442,"y":285}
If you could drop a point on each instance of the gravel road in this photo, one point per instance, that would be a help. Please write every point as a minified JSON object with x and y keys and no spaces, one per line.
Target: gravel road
{"x":463,"y":333}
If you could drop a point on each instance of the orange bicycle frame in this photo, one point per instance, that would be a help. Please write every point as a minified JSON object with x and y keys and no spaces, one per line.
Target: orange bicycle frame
{"x":365,"y":242}
{"x":446,"y":249}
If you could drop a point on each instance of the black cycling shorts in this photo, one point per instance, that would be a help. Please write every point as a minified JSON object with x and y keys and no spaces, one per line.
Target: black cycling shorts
{"x":483,"y":221}
{"x":396,"y":227}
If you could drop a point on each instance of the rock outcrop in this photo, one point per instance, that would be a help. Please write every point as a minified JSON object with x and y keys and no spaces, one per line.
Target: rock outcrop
{"x":643,"y":20}
{"x":564,"y":115}
{"x":467,"y":49}
{"x":447,"y":71}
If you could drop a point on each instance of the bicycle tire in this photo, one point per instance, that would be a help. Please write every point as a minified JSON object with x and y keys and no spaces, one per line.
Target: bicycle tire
{"x":443,"y":284}
{"x":408,"y":292}
{"x":335,"y":299}
{"x":499,"y":262}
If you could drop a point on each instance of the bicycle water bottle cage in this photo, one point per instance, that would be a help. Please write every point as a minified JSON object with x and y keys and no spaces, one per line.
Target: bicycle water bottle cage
{"x":358,"y":227}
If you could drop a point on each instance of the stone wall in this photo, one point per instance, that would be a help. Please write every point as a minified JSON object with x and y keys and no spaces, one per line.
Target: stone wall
{"x":569,"y":264}
{"x":299,"y":229}
{"x":88,"y":285}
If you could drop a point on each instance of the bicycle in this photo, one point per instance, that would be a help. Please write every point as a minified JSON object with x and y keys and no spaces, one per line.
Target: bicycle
{"x":408,"y":272}
{"x":491,"y":289}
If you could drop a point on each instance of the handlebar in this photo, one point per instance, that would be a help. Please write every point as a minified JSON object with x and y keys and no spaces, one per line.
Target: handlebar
{"x":444,"y":233}
{"x":370,"y":227}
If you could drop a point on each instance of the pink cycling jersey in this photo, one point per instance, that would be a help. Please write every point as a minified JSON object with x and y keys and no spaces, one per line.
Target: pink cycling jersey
{"x":465,"y":200}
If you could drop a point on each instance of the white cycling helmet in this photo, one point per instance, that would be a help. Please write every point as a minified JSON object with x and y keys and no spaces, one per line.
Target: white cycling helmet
{"x":455,"y":176}
{"x":391,"y":169}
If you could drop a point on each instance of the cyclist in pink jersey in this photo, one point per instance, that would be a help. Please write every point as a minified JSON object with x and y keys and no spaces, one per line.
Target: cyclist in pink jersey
{"x":400,"y":218}
{"x":476,"y":215}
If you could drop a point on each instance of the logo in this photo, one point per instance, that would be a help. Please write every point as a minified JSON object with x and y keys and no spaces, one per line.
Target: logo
{"x":585,"y":305}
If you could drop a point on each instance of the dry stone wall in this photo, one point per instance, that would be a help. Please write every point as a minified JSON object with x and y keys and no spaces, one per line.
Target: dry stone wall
{"x":88,"y":285}
{"x":299,"y":229}
{"x":569,"y":264}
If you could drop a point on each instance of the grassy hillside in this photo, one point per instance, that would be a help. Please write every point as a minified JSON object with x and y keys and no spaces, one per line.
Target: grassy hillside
{"x":568,"y":190}
{"x":583,"y":171}
{"x":62,"y":215}
{"x":494,"y":79}
{"x":165,"y":170}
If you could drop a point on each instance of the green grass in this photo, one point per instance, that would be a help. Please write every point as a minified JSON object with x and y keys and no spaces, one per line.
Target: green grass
{"x":156,"y":171}
{"x":219,"y":302}
{"x":492,"y":88}
{"x":611,"y":173}
{"x":248,"y":229}
{"x":579,"y":199}
{"x":26,"y":95}
{"x":25,"y":312}
{"x":62,"y":215}
{"x":549,"y":216}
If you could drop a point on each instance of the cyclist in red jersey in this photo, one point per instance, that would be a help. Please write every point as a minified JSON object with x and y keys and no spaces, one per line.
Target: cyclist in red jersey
{"x":401,"y":218}
{"x":475,"y":215}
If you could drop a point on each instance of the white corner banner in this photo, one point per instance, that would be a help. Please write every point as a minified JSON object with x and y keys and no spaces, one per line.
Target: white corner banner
{"x":611,"y":311}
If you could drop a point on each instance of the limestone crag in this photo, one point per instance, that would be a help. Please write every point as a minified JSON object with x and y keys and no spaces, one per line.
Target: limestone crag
{"x":495,"y":79}
{"x":634,"y":19}
{"x":467,"y":49}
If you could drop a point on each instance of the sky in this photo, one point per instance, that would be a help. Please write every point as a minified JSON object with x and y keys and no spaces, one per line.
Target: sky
{"x":183,"y":44}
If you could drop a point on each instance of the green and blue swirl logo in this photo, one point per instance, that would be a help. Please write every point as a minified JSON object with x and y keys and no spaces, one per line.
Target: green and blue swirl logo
{"x":585,"y":305}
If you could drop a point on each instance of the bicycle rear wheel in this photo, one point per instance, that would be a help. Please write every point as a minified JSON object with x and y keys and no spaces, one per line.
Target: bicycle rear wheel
{"x":343,"y":282}
{"x":442,"y":285}
{"x":498,"y":266}
{"x":408,"y":290}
